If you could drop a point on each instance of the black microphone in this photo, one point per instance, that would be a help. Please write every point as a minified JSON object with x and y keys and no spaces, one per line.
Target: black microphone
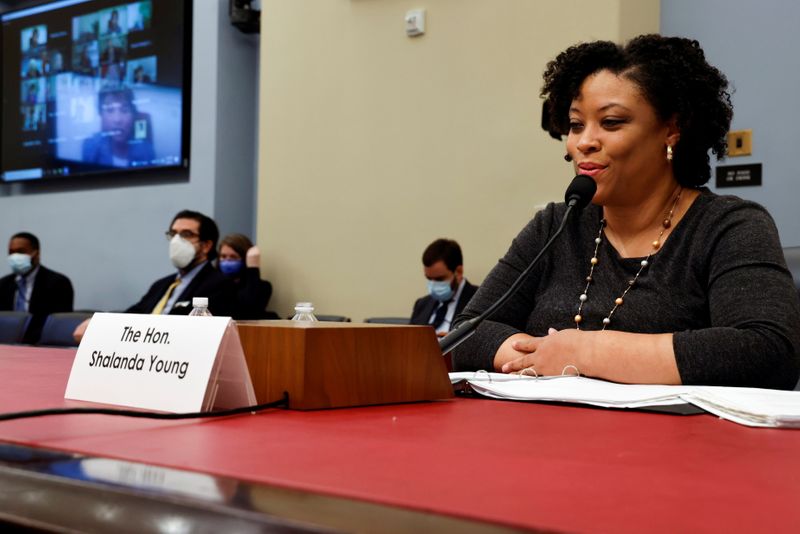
{"x":578,"y":195}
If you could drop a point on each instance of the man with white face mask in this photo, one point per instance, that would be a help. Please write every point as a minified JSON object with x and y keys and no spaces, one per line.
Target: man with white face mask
{"x":192,"y":240}
{"x":448,"y":290}
{"x":32,"y":287}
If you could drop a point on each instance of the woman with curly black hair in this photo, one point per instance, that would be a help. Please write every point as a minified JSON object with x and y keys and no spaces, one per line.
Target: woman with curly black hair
{"x":659,"y":280}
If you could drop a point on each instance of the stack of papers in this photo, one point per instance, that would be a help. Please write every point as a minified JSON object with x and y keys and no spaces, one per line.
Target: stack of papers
{"x":747,"y":406}
{"x":750,"y":406}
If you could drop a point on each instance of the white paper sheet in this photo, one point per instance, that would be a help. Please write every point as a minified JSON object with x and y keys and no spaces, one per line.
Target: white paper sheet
{"x":747,"y":406}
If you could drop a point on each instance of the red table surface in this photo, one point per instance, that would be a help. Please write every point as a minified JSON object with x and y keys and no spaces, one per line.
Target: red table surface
{"x":518,"y":464}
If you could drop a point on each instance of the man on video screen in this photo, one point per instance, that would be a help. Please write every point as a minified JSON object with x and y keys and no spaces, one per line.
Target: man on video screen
{"x":125,"y":139}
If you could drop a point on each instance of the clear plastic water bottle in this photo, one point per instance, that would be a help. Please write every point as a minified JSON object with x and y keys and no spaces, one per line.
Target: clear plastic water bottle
{"x":304,"y":311}
{"x":200,"y":307}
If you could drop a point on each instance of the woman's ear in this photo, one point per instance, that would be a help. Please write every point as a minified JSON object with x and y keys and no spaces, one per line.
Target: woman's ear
{"x":673,"y":131}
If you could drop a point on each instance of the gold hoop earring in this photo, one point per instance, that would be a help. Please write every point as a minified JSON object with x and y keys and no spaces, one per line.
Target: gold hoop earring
{"x":669,"y":152}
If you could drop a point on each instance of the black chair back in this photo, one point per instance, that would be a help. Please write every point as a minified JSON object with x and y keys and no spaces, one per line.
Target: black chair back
{"x":387,"y":320}
{"x":13,"y":325}
{"x":333,"y":318}
{"x":58,"y":328}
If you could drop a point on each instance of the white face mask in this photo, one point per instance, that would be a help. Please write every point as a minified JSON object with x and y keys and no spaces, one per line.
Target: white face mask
{"x":181,"y":252}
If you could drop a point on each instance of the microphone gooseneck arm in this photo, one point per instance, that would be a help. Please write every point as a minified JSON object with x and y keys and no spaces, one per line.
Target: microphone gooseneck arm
{"x":467,"y":328}
{"x":579,"y":194}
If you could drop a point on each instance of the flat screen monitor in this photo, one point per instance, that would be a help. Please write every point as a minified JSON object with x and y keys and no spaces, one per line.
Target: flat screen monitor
{"x":94,"y":87}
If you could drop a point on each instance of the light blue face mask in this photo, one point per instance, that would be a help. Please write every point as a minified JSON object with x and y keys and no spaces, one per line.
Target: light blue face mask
{"x":441,"y":290}
{"x":20,"y":263}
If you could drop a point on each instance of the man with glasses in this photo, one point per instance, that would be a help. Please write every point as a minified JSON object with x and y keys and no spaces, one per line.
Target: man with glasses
{"x":192,"y":245}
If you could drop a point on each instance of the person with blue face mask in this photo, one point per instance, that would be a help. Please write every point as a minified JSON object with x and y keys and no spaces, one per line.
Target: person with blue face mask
{"x":448,"y":290}
{"x":241,"y":261}
{"x":191,"y":245}
{"x":32,"y":287}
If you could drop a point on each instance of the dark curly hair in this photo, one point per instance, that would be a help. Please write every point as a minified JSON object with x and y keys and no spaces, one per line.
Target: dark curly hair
{"x":673,"y":75}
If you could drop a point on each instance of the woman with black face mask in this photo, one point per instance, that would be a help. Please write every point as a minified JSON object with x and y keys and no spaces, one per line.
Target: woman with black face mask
{"x":240,"y":260}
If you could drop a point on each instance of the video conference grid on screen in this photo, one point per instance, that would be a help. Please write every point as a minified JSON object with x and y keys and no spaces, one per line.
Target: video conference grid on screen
{"x":92,"y":86}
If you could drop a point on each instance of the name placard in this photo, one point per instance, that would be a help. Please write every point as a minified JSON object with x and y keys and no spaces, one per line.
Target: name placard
{"x":161,"y":362}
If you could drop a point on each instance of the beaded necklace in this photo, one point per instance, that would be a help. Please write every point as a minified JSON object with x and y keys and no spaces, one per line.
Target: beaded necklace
{"x":665,"y":224}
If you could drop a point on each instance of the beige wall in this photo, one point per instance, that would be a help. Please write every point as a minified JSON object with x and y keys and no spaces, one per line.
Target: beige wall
{"x":372,"y":144}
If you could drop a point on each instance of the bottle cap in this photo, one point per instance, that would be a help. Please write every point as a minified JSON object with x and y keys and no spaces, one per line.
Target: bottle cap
{"x":200,"y":302}
{"x":304,"y":306}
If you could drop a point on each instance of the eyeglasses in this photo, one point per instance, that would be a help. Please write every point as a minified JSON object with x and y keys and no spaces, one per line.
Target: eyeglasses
{"x":186,"y":234}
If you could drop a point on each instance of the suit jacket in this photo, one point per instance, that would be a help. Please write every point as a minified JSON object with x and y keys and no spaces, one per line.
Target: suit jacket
{"x":52,"y":293}
{"x":424,"y":307}
{"x":209,"y":282}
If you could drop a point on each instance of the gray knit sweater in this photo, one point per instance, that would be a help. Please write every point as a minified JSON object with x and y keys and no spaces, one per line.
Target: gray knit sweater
{"x":719,"y":283}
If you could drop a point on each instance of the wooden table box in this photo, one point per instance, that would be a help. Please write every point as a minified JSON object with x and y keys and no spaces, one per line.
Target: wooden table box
{"x":329,"y":365}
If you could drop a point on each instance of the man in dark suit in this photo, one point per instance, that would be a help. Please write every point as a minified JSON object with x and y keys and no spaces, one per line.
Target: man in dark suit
{"x":448,"y":290}
{"x":33,"y":287}
{"x":192,"y":245}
